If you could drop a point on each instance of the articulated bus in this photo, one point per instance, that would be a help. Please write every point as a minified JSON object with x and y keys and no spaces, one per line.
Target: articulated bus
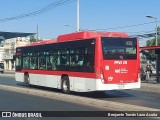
{"x":82,"y":62}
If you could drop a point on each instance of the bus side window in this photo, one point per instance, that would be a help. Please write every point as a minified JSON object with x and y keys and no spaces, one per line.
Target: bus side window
{"x":26,"y":62}
{"x":33,"y":63}
{"x":88,"y":63}
{"x":74,"y":60}
{"x":42,"y":63}
{"x":80,"y":60}
{"x":63,"y":59}
{"x":51,"y":63}
{"x":48,"y":63}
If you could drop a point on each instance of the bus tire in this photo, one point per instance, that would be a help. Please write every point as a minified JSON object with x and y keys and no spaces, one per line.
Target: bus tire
{"x":26,"y":79}
{"x":65,"y":85}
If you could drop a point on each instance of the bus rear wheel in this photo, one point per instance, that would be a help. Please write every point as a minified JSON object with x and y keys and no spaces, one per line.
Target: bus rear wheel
{"x":26,"y":79}
{"x":65,"y":85}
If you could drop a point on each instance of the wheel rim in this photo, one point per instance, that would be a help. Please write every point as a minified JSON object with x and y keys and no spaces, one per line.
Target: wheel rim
{"x":65,"y":85}
{"x":26,"y":79}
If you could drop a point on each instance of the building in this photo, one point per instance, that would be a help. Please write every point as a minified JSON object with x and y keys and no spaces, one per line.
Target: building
{"x":10,"y":50}
{"x":1,"y":53}
{"x":8,"y":47}
{"x":1,"y":48}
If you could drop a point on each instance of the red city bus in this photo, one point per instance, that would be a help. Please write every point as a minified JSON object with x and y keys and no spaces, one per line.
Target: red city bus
{"x":81,"y":62}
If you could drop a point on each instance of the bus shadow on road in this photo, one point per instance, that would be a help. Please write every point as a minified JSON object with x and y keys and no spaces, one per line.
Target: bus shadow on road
{"x":104,"y":94}
{"x":95,"y":94}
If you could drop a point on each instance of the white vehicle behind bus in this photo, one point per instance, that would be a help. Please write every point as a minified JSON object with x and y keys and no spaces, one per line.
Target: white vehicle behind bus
{"x":1,"y":67}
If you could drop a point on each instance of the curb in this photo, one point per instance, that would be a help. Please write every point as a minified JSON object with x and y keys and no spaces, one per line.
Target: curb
{"x":78,"y":99}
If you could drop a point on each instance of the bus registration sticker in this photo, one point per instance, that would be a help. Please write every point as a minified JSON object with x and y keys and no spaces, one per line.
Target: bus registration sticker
{"x":121,"y":86}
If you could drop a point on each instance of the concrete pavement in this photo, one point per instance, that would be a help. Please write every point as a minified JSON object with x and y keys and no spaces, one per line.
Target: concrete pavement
{"x":8,"y":74}
{"x":150,"y":84}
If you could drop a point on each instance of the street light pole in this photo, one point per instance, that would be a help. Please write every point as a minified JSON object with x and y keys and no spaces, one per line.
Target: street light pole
{"x":157,"y":56}
{"x":78,"y":16}
{"x":156,"y":32}
{"x":77,"y":28}
{"x":37,"y":33}
{"x":156,"y":27}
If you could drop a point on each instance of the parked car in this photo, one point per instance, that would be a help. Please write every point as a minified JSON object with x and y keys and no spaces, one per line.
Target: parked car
{"x":1,"y":67}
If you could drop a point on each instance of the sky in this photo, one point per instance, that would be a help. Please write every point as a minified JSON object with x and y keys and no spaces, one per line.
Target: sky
{"x":104,"y":15}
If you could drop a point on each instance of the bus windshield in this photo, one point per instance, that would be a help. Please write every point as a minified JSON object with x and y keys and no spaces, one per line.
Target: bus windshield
{"x":119,"y":48}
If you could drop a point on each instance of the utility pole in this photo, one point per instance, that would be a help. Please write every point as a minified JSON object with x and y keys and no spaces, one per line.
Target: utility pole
{"x":157,"y":55}
{"x":78,"y":16}
{"x":155,"y":29}
{"x":37,"y":34}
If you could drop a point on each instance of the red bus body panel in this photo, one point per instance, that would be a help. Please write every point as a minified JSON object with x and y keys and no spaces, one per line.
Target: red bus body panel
{"x":120,"y":71}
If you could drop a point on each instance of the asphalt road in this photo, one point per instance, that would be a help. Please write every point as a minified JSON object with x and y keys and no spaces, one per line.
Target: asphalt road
{"x":134,"y":97}
{"x":13,"y":101}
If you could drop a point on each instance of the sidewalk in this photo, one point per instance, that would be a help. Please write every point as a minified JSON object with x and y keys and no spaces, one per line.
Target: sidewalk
{"x":9,"y":71}
{"x":150,"y":84}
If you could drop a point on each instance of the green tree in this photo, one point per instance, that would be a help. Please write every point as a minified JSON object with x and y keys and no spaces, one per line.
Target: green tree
{"x":32,"y":39}
{"x":152,"y":42}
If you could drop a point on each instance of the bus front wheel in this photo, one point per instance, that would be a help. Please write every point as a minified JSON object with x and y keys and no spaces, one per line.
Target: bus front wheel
{"x":65,"y":85}
{"x":26,"y":79}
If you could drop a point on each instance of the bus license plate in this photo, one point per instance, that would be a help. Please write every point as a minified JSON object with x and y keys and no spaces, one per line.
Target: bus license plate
{"x":121,"y":86}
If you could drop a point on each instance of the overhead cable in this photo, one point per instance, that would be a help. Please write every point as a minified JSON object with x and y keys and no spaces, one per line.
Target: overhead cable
{"x":124,"y":26}
{"x":40,"y":11}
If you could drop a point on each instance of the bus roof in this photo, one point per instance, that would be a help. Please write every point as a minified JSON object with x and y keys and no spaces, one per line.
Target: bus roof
{"x":89,"y":34}
{"x":79,"y":35}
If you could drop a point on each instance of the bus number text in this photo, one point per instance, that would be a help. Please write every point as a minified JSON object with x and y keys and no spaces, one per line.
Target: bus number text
{"x":120,"y":62}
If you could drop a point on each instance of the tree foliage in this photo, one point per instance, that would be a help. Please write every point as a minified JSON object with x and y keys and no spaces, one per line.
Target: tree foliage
{"x":32,"y":39}
{"x":152,"y":42}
